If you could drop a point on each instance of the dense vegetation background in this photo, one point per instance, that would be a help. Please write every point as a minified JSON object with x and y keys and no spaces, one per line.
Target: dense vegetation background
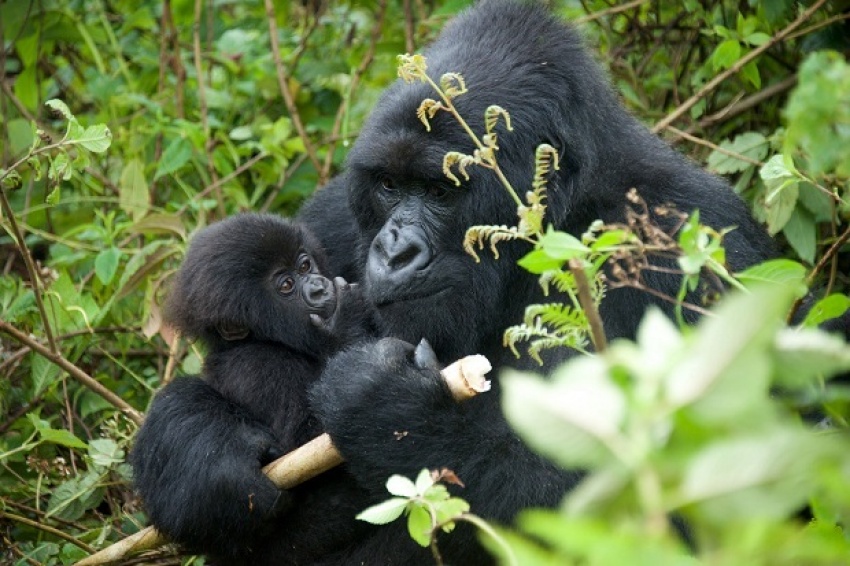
{"x":178,"y":112}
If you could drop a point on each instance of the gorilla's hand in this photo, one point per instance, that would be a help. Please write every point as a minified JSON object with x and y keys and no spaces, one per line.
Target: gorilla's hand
{"x":197,"y":465}
{"x":389,"y":411}
{"x":352,"y":318}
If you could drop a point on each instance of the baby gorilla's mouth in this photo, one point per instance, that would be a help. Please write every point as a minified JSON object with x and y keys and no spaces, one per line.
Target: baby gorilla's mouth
{"x":324,"y":310}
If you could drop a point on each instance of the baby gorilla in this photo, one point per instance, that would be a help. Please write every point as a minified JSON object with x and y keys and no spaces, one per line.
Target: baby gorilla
{"x":253,"y":289}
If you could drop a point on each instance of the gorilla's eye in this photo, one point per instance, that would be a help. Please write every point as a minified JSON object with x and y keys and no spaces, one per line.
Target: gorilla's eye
{"x":387,"y":184}
{"x":304,"y":265}
{"x":286,"y":285}
{"x":437,"y":191}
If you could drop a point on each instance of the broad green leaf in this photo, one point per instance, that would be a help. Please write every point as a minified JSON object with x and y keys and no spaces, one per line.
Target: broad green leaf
{"x":827,"y":308}
{"x":562,"y":246}
{"x":766,"y":475}
{"x":175,"y":156}
{"x":96,"y":138}
{"x":384,"y":512}
{"x":134,"y":197}
{"x":726,"y":54}
{"x":160,"y":223}
{"x":71,"y":499}
{"x":60,"y":107}
{"x":106,"y":264}
{"x":804,"y":355}
{"x":571,"y":420}
{"x":423,"y":482}
{"x":26,"y":87}
{"x":538,"y":261}
{"x":44,"y":373}
{"x":758,"y":38}
{"x":450,"y":509}
{"x":725,"y":375}
{"x":62,"y":437}
{"x":779,"y":271}
{"x":419,"y":525}
{"x":105,"y":452}
{"x":750,"y":73}
{"x":241,"y":133}
{"x":801,"y":233}
{"x":401,"y":486}
{"x":750,"y":144}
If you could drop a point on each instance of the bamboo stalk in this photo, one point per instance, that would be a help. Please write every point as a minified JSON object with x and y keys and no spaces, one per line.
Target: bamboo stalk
{"x":465,"y":379}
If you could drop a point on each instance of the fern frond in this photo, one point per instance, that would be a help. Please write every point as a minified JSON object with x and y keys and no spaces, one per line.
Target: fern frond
{"x":564,"y":319}
{"x":427,"y":109}
{"x":494,"y":234}
{"x":491,"y":118}
{"x":545,"y":159}
{"x":452,"y":84}
{"x":411,"y":67}
{"x":462,"y":161}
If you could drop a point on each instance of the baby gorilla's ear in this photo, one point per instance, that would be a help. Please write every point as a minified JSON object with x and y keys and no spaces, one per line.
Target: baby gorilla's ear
{"x":231,"y":331}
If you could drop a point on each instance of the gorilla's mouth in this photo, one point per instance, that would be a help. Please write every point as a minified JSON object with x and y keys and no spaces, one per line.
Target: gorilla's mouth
{"x":388,"y":299}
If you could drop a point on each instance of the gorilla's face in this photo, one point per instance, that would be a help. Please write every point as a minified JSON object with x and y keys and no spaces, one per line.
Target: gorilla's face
{"x":413,"y":220}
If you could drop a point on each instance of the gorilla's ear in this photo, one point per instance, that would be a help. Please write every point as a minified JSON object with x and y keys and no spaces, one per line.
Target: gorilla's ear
{"x":231,"y":331}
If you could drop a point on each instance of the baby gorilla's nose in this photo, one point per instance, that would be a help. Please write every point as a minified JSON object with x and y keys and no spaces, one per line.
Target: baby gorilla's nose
{"x":318,"y":291}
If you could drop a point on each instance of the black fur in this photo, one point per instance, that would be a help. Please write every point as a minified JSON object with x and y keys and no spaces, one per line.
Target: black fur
{"x":264,"y":351}
{"x":385,"y":414}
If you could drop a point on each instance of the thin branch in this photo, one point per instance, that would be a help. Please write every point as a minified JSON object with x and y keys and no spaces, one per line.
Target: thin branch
{"x":47,"y":529}
{"x":288,"y":99}
{"x":741,"y":106}
{"x":609,"y":12}
{"x":75,"y":372}
{"x":714,"y":146}
{"x":28,"y":261}
{"x":585,"y":299}
{"x":355,"y":79}
{"x":202,"y":101}
{"x":409,"y":32}
{"x":227,"y":178}
{"x":810,"y":279}
{"x":751,"y":56}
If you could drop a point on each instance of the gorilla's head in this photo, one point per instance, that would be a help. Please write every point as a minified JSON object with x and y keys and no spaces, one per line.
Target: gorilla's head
{"x":256,"y":277}
{"x":413,"y":218}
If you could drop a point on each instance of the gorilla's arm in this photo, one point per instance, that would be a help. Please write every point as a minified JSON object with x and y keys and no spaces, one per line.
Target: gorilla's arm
{"x":197,"y":462}
{"x":388,"y":416}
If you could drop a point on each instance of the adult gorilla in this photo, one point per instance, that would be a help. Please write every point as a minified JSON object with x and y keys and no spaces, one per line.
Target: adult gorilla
{"x":384,"y":413}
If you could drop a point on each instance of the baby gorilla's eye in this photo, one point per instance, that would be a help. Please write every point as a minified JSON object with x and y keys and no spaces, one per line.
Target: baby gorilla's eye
{"x":304,"y":265}
{"x":388,"y":185}
{"x":286,"y":285}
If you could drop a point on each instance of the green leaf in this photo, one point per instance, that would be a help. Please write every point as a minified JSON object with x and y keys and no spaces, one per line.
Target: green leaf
{"x":804,"y":355}
{"x":71,"y":499}
{"x":62,"y":437}
{"x":96,"y":138}
{"x":419,"y":525}
{"x":60,"y":107}
{"x":758,"y":38}
{"x":750,"y":73}
{"x":423,"y":482}
{"x":562,"y":246}
{"x":827,"y":308}
{"x":726,"y":54}
{"x":241,"y":133}
{"x":134,"y":197}
{"x":175,"y":156}
{"x":765,"y":475}
{"x":572,"y":419}
{"x":450,"y":509}
{"x":385,"y":512}
{"x":749,"y":144}
{"x":801,"y":233}
{"x":538,"y":261}
{"x":44,"y":374}
{"x":104,"y":452}
{"x":784,"y":272}
{"x":725,"y":376}
{"x":106,"y":264}
{"x":401,"y":486}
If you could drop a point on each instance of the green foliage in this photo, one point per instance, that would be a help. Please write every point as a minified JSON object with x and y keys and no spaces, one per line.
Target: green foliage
{"x":687,"y":424}
{"x":117,"y":143}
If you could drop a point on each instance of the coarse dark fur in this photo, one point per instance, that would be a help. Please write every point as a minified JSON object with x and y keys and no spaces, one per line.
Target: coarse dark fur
{"x":252,"y":289}
{"x":387,"y":414}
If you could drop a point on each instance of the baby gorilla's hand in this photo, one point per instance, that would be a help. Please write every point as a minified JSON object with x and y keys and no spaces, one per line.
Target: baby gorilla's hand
{"x":350,"y":319}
